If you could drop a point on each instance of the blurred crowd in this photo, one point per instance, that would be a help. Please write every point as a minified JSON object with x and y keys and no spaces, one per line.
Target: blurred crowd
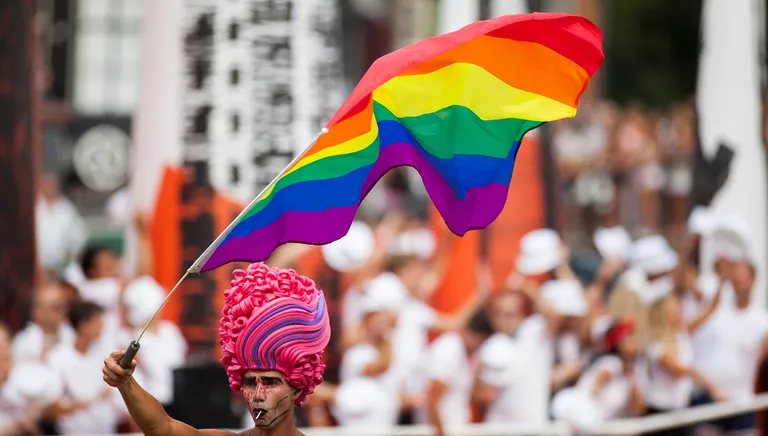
{"x":625,"y":166}
{"x":652,"y":330}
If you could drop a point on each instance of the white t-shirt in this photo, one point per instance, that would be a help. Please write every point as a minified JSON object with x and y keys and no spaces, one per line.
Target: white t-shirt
{"x":662,"y":390}
{"x":738,"y":337}
{"x":581,"y":408}
{"x":614,"y":395}
{"x":385,"y":411}
{"x":10,"y":411}
{"x":81,"y":374}
{"x":502,"y":367}
{"x":448,"y":362}
{"x":409,"y":347}
{"x":708,"y":287}
{"x":161,"y":353}
{"x":106,"y":293}
{"x":61,"y":232}
{"x":524,"y":382}
{"x":29,"y":344}
{"x":352,"y":308}
{"x":538,"y":352}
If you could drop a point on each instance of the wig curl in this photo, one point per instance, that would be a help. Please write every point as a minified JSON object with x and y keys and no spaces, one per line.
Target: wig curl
{"x":274,"y":319}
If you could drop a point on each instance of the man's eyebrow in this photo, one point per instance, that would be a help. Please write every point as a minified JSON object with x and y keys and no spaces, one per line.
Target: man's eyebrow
{"x":271,"y":379}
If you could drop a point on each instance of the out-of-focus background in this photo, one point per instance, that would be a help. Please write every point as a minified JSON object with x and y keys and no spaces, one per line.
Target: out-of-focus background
{"x":632,"y":249}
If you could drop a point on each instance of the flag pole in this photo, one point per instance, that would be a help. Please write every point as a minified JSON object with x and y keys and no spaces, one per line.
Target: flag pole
{"x":134,"y":346}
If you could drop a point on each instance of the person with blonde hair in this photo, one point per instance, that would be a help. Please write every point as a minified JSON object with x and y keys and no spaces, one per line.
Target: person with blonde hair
{"x":671,"y":376}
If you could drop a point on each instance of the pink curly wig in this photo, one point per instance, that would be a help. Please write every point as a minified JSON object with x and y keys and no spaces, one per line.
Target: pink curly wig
{"x":274,"y":319}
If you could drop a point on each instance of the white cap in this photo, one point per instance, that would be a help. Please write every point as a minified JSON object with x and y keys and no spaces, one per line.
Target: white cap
{"x":500,"y":358}
{"x":73,"y":274}
{"x":657,"y":289}
{"x":385,"y":292}
{"x":352,"y":250}
{"x":416,"y":242}
{"x":142,"y":297}
{"x":731,"y":239}
{"x":120,"y":208}
{"x":613,"y":242}
{"x":653,"y":255}
{"x":565,"y":296}
{"x":33,"y":383}
{"x":702,"y":221}
{"x":539,"y":252}
{"x":634,"y":279}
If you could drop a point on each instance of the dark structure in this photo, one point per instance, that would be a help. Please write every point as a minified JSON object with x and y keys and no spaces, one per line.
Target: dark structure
{"x":19,"y":137}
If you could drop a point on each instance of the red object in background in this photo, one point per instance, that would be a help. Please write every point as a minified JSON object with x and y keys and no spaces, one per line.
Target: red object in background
{"x":523,"y":212}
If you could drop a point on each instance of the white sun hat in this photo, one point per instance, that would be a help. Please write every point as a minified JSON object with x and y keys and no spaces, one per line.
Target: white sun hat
{"x":613,"y":242}
{"x":352,"y":250}
{"x":417,"y":242}
{"x":701,"y":221}
{"x":540,"y":252}
{"x":565,"y":296}
{"x":730,"y":238}
{"x":500,"y":359}
{"x":141,"y":299}
{"x":385,"y":292}
{"x":120,"y":208}
{"x":653,"y":255}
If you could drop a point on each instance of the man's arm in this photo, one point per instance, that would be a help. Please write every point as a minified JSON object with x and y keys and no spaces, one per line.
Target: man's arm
{"x":145,"y":410}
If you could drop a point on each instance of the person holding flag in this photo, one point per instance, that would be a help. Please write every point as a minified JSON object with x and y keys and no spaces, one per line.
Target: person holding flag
{"x":455,"y":107}
{"x":273,"y":330}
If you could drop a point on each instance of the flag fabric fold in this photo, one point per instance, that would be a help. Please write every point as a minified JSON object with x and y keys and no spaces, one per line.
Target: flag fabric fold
{"x":455,"y":107}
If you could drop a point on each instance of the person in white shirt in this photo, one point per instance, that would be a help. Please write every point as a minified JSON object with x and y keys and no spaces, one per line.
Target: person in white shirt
{"x":104,"y":282}
{"x":739,"y":334}
{"x":671,"y":376}
{"x":497,"y":390}
{"x":48,"y":326}
{"x":607,"y":389}
{"x":450,"y":373}
{"x":518,"y":387}
{"x":15,"y":419}
{"x":61,"y":232}
{"x":370,"y":361}
{"x":163,"y":346}
{"x":418,"y":319}
{"x":87,"y":407}
{"x":519,"y":368}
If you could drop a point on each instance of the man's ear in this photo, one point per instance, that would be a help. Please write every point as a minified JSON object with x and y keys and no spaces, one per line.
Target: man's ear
{"x":296,"y":393}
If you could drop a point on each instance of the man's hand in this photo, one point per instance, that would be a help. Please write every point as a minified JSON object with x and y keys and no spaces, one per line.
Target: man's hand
{"x":114,"y":375}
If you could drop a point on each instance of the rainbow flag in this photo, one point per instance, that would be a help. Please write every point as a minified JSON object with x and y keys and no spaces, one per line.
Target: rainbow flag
{"x":455,"y":107}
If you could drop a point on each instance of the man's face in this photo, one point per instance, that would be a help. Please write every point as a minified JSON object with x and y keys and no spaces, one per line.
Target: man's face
{"x":507,"y":313}
{"x":90,"y":329}
{"x":742,"y":278}
{"x":49,"y":308}
{"x":107,"y":265}
{"x":269,"y":397}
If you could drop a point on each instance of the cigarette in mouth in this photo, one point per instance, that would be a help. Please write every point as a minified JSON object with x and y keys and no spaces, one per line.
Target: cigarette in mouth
{"x":258,"y":414}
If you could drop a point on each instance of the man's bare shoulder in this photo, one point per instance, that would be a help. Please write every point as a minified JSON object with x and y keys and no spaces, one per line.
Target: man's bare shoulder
{"x":249,"y":432}
{"x":211,"y":432}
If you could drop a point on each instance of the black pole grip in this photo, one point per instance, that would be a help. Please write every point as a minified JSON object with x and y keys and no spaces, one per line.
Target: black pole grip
{"x":130,"y":353}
